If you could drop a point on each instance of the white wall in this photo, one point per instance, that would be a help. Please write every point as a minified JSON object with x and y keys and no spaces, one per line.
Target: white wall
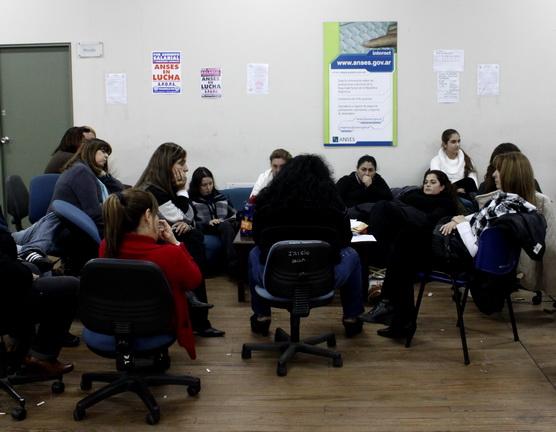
{"x":233,"y":136}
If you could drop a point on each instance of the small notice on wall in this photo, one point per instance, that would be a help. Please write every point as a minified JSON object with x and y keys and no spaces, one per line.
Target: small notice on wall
{"x":488,"y":79}
{"x":211,"y":82}
{"x":447,"y":87}
{"x":166,"y":72}
{"x":116,"y":88}
{"x":448,"y":60}
{"x":257,"y":78}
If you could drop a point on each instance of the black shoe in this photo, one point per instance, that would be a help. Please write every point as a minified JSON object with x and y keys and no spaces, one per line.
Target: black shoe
{"x":258,"y":326}
{"x":70,"y":341}
{"x":210,"y":332}
{"x":381,"y":314}
{"x":39,"y":259}
{"x":394,"y":332}
{"x":194,"y":302}
{"x":352,"y":328}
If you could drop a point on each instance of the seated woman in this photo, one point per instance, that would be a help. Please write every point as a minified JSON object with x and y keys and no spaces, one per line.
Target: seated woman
{"x":303,"y":195}
{"x":214,"y":214}
{"x":488,"y":185}
{"x":69,"y":144}
{"x":362,"y":187}
{"x":165,"y":177}
{"x":457,"y":165}
{"x":85,"y":183}
{"x":134,"y":231}
{"x":28,"y":300}
{"x":406,"y":225}
{"x":514,"y":179}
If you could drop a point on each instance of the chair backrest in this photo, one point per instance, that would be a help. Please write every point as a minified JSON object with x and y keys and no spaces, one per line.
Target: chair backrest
{"x":17,"y":199}
{"x":76,"y":217}
{"x":301,"y":269}
{"x":41,"y":189}
{"x":497,"y":254}
{"x":125,"y":297}
{"x":237,"y":196}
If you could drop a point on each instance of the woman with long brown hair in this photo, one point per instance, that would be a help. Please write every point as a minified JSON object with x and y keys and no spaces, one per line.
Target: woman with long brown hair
{"x":165,"y":177}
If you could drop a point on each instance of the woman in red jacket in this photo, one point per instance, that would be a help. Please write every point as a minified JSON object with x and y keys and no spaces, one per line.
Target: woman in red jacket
{"x":134,"y":231}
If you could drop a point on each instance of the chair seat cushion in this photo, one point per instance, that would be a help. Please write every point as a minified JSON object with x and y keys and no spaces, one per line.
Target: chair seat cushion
{"x":107,"y":343}
{"x":315,"y":301}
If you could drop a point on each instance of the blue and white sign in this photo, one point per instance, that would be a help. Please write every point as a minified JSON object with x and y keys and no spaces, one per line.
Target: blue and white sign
{"x":166,"y":72}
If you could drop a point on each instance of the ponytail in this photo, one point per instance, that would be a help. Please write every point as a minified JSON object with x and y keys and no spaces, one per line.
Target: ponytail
{"x":122,"y":212}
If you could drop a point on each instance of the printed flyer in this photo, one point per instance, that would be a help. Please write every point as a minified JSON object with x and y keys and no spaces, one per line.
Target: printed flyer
{"x":211,"y":82}
{"x":166,"y":72}
{"x":360,"y":83}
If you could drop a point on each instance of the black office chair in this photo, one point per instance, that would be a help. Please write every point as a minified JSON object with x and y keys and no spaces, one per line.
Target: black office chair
{"x":497,"y":255}
{"x":127,"y":309}
{"x":17,"y":200}
{"x":298,"y":276}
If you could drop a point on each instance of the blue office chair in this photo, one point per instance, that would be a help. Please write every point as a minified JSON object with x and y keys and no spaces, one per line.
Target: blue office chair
{"x":80,"y":244}
{"x":127,"y":309}
{"x":298,"y":276}
{"x":497,"y":255}
{"x":41,"y":189}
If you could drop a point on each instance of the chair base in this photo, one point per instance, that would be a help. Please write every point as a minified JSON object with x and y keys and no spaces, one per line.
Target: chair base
{"x":289,"y":348}
{"x":8,"y":382}
{"x":119,"y":382}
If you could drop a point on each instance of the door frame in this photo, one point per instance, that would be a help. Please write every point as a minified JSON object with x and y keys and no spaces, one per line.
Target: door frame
{"x":2,"y":158}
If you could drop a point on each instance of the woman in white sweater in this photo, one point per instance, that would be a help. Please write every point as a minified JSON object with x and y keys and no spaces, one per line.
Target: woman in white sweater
{"x":457,"y":165}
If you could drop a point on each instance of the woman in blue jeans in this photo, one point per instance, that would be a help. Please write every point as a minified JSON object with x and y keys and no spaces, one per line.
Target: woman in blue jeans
{"x":302,"y":203}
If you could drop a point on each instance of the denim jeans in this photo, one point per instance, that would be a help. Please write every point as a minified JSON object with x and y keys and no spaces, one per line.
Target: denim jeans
{"x":40,"y":236}
{"x":347,"y":277}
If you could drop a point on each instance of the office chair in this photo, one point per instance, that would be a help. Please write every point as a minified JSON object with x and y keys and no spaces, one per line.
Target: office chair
{"x":127,"y":309}
{"x":41,"y":189}
{"x":497,"y":256}
{"x":81,"y":244}
{"x":17,"y":200}
{"x":298,"y":276}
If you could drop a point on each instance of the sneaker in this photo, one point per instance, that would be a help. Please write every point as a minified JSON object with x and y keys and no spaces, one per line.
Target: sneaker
{"x":381,"y":314}
{"x":38,"y":259}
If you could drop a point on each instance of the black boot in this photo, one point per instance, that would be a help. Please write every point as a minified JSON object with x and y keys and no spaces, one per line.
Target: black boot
{"x":258,"y":326}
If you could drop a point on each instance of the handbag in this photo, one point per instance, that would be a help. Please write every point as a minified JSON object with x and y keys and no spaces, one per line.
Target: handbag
{"x":449,"y":251}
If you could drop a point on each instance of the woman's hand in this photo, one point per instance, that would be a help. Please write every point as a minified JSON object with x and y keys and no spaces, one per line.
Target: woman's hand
{"x":165,"y":232}
{"x":214,"y":222}
{"x":181,"y":228}
{"x":367,"y":180}
{"x":180,"y":177}
{"x":447,"y":229}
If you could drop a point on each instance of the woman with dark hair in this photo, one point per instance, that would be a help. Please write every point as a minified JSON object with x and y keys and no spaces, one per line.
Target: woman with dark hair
{"x":457,"y":165}
{"x":165,"y":177}
{"x":406,"y":225}
{"x":362,"y":187}
{"x":85,"y":184}
{"x":213,"y":213}
{"x":489,"y":185}
{"x":134,"y":231}
{"x":69,"y":144}
{"x":302,"y":202}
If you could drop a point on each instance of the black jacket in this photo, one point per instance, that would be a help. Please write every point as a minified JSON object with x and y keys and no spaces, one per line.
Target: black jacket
{"x":528,"y":229}
{"x":353,"y":192}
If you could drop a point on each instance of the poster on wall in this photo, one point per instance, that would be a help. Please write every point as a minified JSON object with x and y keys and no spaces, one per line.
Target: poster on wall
{"x":211,"y":82}
{"x":166,"y":72}
{"x":360,"y":83}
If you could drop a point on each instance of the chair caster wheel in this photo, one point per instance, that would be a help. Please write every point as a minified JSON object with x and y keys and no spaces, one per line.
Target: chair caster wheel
{"x":281,"y":370}
{"x":281,"y":336}
{"x":245,"y":353}
{"x":152,"y":418}
{"x":58,"y":387}
{"x":193,"y":390}
{"x":19,"y":413}
{"x":85,"y":385}
{"x":337,"y":362}
{"x":78,"y":414}
{"x":331,"y":341}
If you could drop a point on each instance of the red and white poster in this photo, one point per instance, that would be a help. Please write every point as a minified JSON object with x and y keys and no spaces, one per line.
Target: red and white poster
{"x":166,"y":72}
